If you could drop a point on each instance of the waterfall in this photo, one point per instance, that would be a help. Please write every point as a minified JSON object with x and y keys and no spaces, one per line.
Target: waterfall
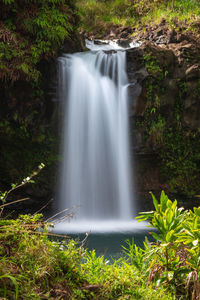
{"x":96,"y":172}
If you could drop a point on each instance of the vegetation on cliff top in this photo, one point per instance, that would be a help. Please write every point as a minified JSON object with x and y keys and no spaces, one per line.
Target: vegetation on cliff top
{"x":97,"y":14}
{"x":34,"y":30}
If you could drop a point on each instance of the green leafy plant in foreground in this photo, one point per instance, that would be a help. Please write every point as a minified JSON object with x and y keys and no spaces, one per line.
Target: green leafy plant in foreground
{"x":33,"y":267}
{"x":174,"y":260}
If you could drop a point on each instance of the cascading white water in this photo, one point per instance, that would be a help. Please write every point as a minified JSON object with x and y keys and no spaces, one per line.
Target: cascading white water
{"x":96,"y":177}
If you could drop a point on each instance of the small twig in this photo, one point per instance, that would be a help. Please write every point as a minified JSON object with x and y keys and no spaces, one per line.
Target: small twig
{"x":40,"y":167}
{"x":37,"y":212}
{"x":9,"y":214}
{"x":13,"y":189}
{"x":58,"y":235}
{"x":85,"y":239}
{"x":13,"y":202}
{"x":69,"y":215}
{"x":57,"y":214}
{"x":34,"y":226}
{"x":40,"y":233}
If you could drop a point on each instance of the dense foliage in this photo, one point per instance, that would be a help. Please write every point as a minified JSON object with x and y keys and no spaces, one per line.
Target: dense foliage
{"x":33,"y":267}
{"x":174,"y":260}
{"x":31,"y":35}
{"x":30,"y":31}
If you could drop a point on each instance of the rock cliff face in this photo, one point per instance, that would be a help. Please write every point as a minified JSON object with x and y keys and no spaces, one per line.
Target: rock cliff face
{"x":165,"y":113}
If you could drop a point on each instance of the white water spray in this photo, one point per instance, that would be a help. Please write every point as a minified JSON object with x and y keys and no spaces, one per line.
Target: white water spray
{"x":96,"y":178}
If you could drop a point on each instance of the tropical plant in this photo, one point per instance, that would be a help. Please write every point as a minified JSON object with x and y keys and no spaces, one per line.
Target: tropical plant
{"x":174,"y":260}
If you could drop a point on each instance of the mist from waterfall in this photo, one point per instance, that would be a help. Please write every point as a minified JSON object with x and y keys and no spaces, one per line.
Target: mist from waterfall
{"x":96,"y":171}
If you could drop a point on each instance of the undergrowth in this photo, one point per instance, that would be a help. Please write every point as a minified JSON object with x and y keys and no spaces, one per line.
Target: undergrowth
{"x":34,"y":267}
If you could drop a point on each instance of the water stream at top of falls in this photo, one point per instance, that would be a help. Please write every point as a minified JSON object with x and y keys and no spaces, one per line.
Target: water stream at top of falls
{"x":96,"y":177}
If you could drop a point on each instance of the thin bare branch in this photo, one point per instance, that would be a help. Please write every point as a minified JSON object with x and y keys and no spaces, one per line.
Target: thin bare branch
{"x":25,"y":182}
{"x":69,"y":215}
{"x":41,"y":233}
{"x":13,"y":189}
{"x":59,"y":213}
{"x":85,"y":239}
{"x":173,"y":4}
{"x":43,"y":207}
{"x":13,"y":202}
{"x":1,"y":212}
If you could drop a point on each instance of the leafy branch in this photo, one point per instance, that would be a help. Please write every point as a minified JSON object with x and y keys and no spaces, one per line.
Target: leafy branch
{"x":4,"y":195}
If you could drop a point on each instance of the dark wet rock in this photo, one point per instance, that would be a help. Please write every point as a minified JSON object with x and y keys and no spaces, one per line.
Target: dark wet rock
{"x":141,"y":74}
{"x":168,"y":99}
{"x":181,"y":37}
{"x":171,"y":36}
{"x":110,"y":51}
{"x":127,"y":29}
{"x":191,"y":116}
{"x":125,"y":43}
{"x":163,"y":22}
{"x":124,"y":35}
{"x":134,"y":91}
{"x":101,"y":42}
{"x":193,"y":72}
{"x":163,"y":55}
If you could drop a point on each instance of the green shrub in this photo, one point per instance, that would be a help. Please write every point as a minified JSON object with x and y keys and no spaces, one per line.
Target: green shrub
{"x":174,"y":260}
{"x":33,"y":267}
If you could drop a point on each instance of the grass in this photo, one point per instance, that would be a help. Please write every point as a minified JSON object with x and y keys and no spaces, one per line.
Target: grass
{"x":33,"y":267}
{"x":102,"y":15}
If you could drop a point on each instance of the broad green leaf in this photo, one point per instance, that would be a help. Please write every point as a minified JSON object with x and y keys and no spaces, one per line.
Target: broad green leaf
{"x":163,"y":200}
{"x":169,"y":236}
{"x":155,"y":202}
{"x":14,"y":281}
{"x":197,"y":211}
{"x":156,"y":236}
